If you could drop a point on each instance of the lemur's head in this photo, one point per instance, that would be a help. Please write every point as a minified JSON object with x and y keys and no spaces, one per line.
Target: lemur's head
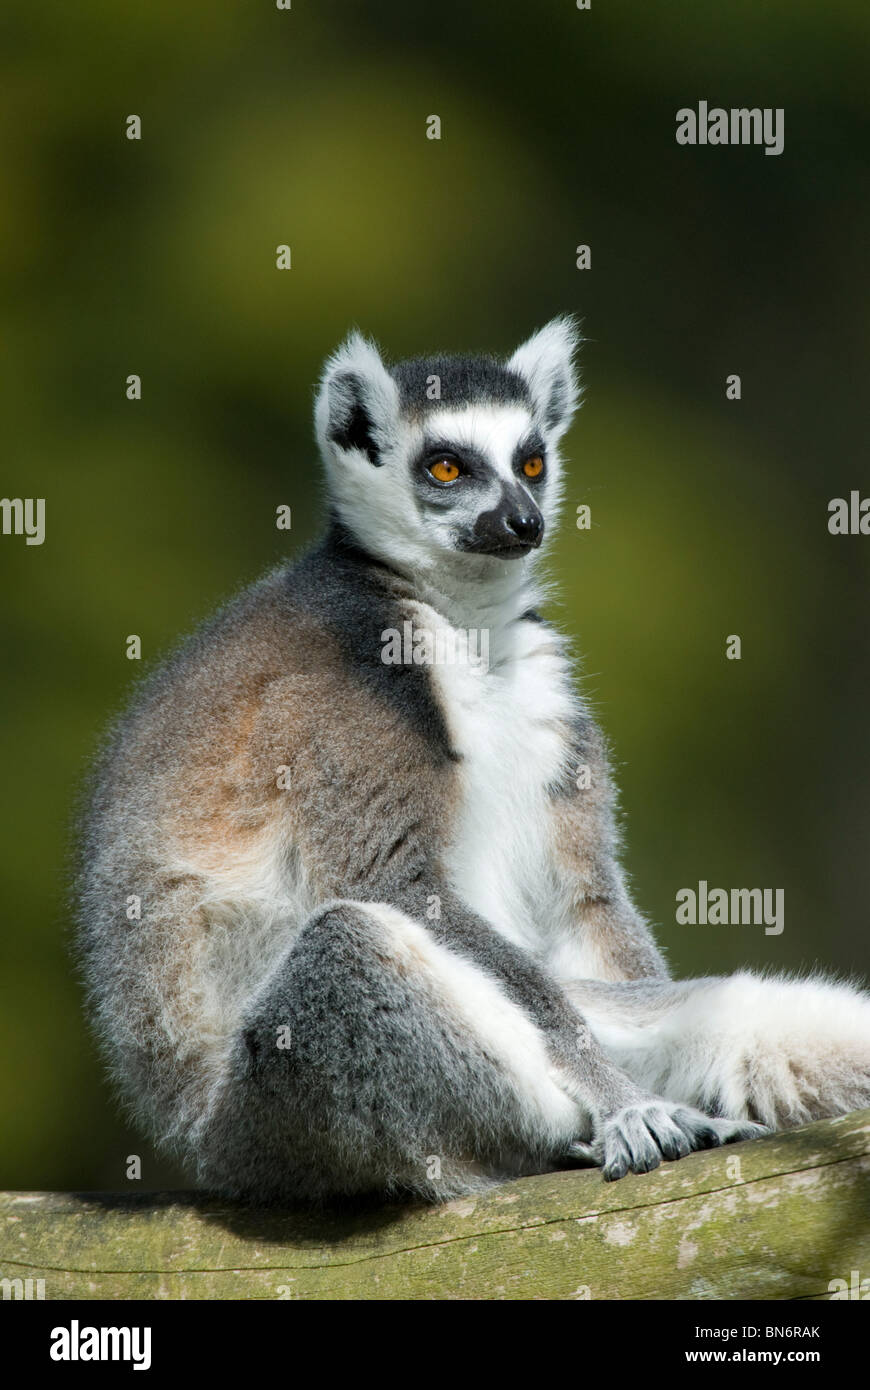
{"x":448,"y":461}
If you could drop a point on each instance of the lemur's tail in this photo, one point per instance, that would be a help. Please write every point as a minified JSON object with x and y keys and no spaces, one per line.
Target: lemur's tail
{"x":781,"y":1051}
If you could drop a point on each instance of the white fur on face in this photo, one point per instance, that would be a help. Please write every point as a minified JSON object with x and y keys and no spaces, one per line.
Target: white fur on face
{"x":492,"y":432}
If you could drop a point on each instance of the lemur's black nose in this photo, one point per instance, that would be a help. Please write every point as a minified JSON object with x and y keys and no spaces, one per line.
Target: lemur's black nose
{"x":512,"y":528}
{"x":526,"y":526}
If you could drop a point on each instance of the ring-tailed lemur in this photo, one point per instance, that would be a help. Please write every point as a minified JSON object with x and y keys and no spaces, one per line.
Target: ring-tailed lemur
{"x":385,"y":943}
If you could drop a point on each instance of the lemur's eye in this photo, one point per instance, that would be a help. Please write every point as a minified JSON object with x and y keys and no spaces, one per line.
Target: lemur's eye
{"x":534,"y":466}
{"x":445,"y":470}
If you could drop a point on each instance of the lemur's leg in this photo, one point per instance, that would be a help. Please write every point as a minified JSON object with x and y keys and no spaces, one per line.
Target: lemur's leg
{"x":374,"y":1059}
{"x":779,"y":1051}
{"x":629,"y":1127}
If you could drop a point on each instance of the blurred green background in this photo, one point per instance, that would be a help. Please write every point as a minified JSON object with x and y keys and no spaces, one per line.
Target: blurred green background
{"x":307,"y":126}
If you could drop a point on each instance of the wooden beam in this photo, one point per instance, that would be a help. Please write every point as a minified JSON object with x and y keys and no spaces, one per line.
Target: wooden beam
{"x":779,"y":1218}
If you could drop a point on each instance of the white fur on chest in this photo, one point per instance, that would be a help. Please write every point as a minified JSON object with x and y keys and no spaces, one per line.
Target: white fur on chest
{"x":509,"y":725}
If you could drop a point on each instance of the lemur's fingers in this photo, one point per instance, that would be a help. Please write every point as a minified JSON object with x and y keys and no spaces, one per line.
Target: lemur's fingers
{"x":732,"y":1131}
{"x":669,"y":1135}
{"x":617,"y":1158}
{"x":707,"y":1131}
{"x":700,"y":1129}
{"x":629,"y":1144}
{"x":636,"y":1138}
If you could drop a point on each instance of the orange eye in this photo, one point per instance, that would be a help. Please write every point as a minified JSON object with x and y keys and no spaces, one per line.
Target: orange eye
{"x":445,"y":470}
{"x":533,"y":467}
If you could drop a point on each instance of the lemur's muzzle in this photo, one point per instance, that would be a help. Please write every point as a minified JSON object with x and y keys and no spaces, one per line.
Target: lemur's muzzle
{"x":511,"y":529}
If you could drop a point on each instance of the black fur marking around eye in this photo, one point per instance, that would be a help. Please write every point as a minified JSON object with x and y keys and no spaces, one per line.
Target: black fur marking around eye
{"x":530,"y":447}
{"x":470,"y":460}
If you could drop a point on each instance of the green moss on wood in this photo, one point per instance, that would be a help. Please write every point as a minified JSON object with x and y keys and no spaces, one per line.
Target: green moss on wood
{"x":778,"y":1218}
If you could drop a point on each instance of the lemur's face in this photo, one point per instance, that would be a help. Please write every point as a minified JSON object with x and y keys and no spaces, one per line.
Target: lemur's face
{"x":479,"y":478}
{"x":439,"y":458}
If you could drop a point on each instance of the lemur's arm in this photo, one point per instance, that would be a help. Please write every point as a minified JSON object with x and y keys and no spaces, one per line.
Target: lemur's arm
{"x":523,"y":979}
{"x":629,"y":1128}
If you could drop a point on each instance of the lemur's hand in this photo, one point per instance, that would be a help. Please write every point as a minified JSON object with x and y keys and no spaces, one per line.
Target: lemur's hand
{"x":637,"y":1137}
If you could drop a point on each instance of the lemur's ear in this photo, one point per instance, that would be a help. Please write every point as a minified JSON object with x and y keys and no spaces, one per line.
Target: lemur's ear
{"x":357,"y":403}
{"x":546,"y":363}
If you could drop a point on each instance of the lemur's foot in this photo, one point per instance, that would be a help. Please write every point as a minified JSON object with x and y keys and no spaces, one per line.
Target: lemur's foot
{"x":636,"y":1138}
